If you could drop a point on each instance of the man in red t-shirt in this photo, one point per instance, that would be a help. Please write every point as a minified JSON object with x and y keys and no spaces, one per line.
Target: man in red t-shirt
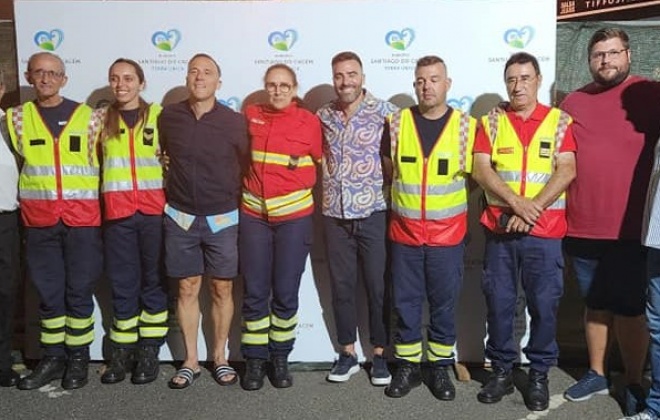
{"x":604,"y":210}
{"x":524,"y":158}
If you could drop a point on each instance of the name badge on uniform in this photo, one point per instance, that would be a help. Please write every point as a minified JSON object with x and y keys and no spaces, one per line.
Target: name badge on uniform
{"x":545,"y":150}
{"x":74,"y":143}
{"x":505,"y":151}
{"x":37,"y":142}
{"x":148,"y":136}
{"x":293,"y":162}
{"x":408,"y":159}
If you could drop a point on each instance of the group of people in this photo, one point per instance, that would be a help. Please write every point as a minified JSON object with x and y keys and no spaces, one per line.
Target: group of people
{"x":228,"y":193}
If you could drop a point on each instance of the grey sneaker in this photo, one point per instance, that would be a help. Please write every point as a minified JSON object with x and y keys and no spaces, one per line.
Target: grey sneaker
{"x":380,"y":375}
{"x":644,"y":415}
{"x":345,"y":367}
{"x":589,"y":385}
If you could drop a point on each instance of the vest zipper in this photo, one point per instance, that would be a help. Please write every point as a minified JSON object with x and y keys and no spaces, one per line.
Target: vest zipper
{"x":523,"y":173}
{"x":131,"y":142}
{"x":58,"y":168}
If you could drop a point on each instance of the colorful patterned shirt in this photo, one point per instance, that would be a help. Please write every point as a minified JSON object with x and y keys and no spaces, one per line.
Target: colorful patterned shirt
{"x":353,"y":185}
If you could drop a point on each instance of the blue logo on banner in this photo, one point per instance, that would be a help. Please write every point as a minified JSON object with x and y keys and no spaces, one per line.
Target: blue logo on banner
{"x":519,"y":38}
{"x":49,"y":40}
{"x":400,"y":40}
{"x":462,"y":104}
{"x":283,"y":41}
{"x":232,"y":102}
{"x":166,"y":40}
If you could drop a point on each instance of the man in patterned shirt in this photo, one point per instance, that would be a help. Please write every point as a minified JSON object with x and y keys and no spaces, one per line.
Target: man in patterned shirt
{"x":354,"y":210}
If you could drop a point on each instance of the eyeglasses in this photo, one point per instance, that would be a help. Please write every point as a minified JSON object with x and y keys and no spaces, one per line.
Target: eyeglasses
{"x":600,"y":55}
{"x":40,"y":73}
{"x":283,"y":87}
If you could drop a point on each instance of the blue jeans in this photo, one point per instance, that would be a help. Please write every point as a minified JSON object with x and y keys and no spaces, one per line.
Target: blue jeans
{"x":653,"y":317}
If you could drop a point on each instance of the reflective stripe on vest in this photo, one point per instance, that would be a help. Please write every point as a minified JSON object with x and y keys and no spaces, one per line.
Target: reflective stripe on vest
{"x":419,"y":190}
{"x":279,"y":206}
{"x":541,"y":154}
{"x":50,"y":165}
{"x":130,"y":160}
{"x":280,"y":159}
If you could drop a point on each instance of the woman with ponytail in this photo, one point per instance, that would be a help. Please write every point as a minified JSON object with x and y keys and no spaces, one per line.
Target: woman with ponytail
{"x":133,"y":201}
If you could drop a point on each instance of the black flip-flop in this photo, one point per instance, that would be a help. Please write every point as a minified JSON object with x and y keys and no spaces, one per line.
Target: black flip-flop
{"x":222,"y":371}
{"x":188,"y":375}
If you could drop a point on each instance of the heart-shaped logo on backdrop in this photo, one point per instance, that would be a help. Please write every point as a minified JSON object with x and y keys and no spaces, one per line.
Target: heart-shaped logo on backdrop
{"x":400,"y":40}
{"x":49,"y":40}
{"x":283,"y":41}
{"x":519,"y":38}
{"x":166,"y":40}
{"x":232,"y":102}
{"x":463,"y":103}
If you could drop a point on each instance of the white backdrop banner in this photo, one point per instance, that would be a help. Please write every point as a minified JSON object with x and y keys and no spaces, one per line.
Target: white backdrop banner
{"x":474,"y":37}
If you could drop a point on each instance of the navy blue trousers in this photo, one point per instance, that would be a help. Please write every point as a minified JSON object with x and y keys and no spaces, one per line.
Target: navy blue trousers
{"x":538,"y":264}
{"x":434,"y":273}
{"x":64,"y":263}
{"x":272,"y":260}
{"x":133,"y":265}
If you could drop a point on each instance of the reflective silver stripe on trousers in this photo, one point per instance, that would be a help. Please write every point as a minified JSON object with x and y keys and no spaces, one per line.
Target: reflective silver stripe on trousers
{"x":152,"y":184}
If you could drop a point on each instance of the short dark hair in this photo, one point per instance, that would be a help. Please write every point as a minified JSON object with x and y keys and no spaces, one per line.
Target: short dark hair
{"x":346,"y":56}
{"x":604,"y":34}
{"x":522,"y":58}
{"x":198,"y":55}
{"x":429,"y":60}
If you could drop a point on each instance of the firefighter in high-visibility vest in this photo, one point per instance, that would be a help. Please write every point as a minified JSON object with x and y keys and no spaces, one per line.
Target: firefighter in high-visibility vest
{"x":524,"y":159}
{"x":429,"y":152}
{"x":276,"y":225}
{"x":58,"y":191}
{"x":133,"y":203}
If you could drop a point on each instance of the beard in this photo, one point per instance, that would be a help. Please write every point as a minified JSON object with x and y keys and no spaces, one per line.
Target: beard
{"x":348,"y":97}
{"x":608,"y":82}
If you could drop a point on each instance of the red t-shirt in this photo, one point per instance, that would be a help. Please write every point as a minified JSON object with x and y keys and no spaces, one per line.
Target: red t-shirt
{"x":548,"y":225}
{"x":606,"y":200}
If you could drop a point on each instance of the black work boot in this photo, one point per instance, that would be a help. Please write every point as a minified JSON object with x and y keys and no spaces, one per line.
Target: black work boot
{"x":255,"y":371}
{"x":500,"y":383}
{"x":76,"y":371}
{"x":407,"y":376}
{"x":48,"y":369}
{"x":279,"y":375}
{"x":121,"y":362}
{"x":537,"y":397}
{"x":440,"y":384}
{"x":146,"y":365}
